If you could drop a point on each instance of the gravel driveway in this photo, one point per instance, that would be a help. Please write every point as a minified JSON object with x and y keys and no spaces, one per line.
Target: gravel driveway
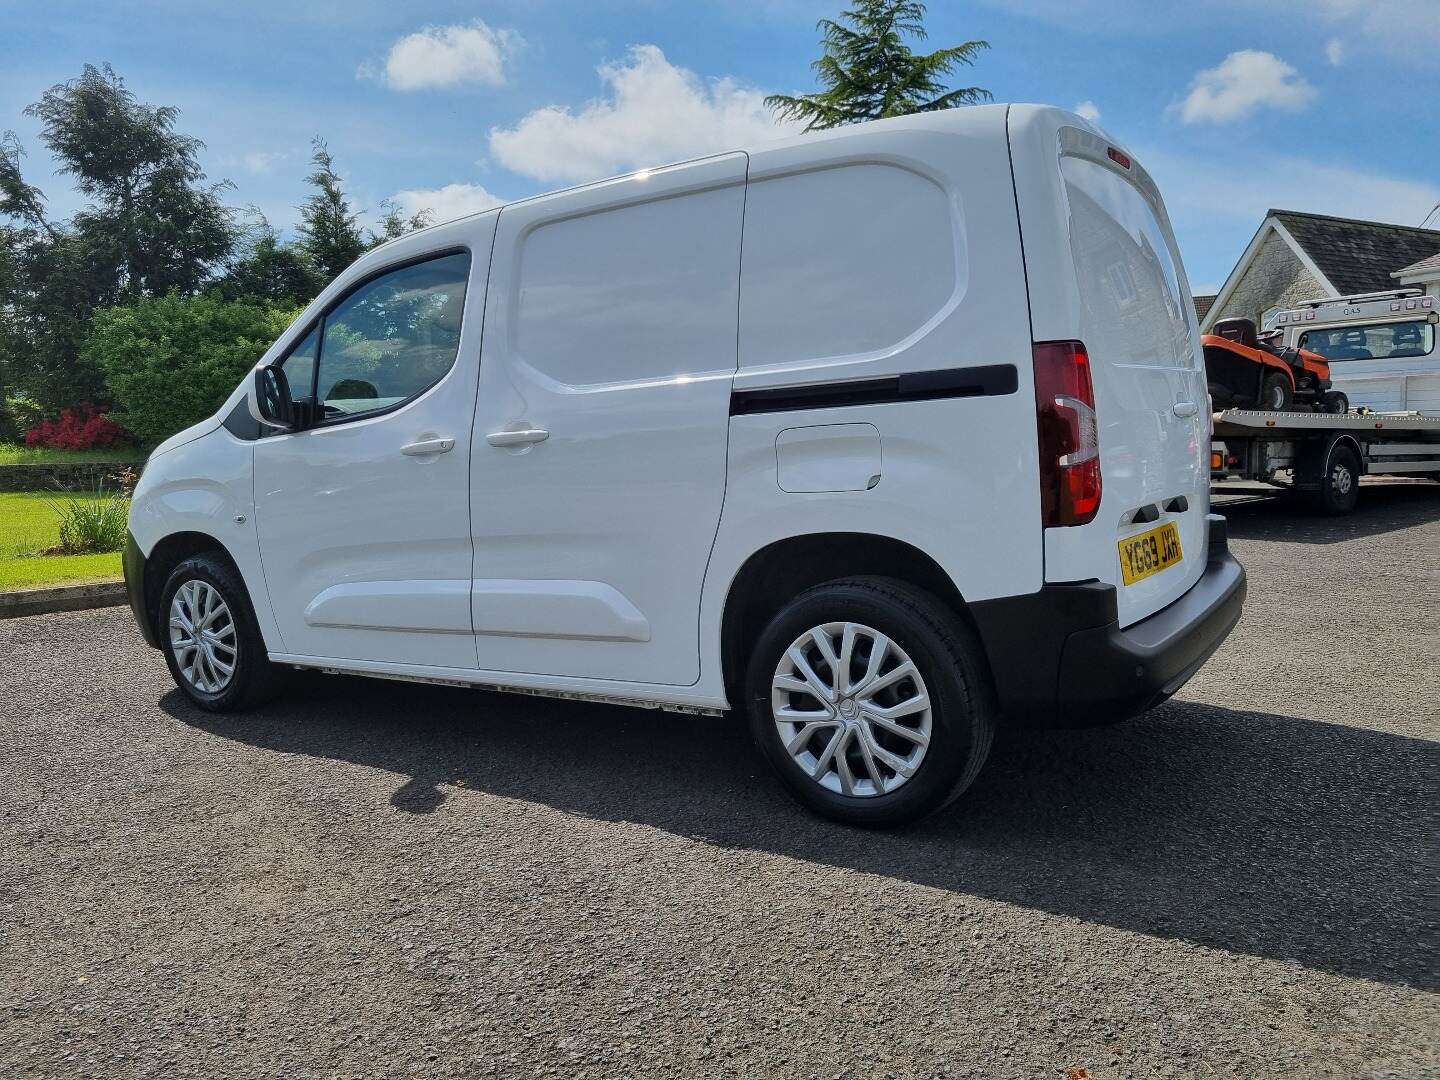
{"x":375,"y":879}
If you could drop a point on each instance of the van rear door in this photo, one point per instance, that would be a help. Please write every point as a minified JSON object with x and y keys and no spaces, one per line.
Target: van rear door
{"x":1103,"y":269}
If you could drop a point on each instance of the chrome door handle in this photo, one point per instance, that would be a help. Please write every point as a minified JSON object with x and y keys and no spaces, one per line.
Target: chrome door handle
{"x":1185,"y":408}
{"x":428,"y":446}
{"x":523,"y":437}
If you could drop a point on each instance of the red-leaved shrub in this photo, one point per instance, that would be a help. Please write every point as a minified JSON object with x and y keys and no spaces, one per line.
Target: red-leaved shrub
{"x":85,"y":427}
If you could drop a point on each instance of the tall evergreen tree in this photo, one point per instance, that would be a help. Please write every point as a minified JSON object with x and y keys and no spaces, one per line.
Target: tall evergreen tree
{"x":869,"y":72}
{"x":329,"y":231}
{"x":151,"y":225}
{"x":270,"y":269}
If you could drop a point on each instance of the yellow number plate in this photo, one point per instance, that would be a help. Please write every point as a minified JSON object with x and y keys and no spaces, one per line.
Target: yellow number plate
{"x":1149,"y":553}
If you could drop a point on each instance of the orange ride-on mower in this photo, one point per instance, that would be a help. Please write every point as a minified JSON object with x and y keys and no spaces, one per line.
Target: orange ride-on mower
{"x":1245,"y":370}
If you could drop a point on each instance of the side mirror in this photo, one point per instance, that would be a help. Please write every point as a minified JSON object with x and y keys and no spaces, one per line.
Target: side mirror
{"x":269,"y":399}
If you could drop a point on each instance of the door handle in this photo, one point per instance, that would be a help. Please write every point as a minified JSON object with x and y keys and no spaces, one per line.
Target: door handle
{"x":523,"y":437}
{"x":1186,"y":408}
{"x":428,"y":446}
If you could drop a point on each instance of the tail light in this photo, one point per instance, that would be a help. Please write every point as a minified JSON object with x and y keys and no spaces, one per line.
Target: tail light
{"x":1069,"y":434}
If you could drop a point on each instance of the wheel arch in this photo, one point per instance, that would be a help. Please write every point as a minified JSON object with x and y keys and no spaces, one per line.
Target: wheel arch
{"x":776,"y":573}
{"x":167,"y":553}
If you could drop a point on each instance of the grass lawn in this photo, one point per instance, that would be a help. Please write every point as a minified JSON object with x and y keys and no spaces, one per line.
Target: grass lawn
{"x":28,"y":523}
{"x":16,"y":454}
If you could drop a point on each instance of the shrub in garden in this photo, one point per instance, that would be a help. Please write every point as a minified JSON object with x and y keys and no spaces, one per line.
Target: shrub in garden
{"x":170,"y":361}
{"x":85,"y":427}
{"x":91,"y":526}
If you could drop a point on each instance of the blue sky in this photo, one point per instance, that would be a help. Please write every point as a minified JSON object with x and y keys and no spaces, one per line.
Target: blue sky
{"x":1233,"y":105}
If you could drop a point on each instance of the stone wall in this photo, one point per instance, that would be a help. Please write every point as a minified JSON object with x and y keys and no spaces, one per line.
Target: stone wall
{"x":1275,"y":278}
{"x":66,"y":477}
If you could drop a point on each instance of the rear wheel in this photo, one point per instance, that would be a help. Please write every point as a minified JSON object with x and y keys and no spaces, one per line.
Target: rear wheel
{"x":211,"y":641}
{"x":1276,"y":392}
{"x":1340,"y":486}
{"x":1335,"y":402}
{"x":868,"y":698}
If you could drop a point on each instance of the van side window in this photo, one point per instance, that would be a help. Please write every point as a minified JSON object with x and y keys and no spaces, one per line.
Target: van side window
{"x":392,"y":338}
{"x":645,"y":291}
{"x":842,"y":261}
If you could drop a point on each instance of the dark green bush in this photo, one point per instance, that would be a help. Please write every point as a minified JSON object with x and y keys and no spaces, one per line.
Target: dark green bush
{"x":170,"y":361}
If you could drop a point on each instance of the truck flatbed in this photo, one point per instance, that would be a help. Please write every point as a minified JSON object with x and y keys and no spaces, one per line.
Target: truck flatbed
{"x":1242,"y":422}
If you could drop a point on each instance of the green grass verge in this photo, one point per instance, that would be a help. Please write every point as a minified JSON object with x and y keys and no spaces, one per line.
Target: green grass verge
{"x":14,"y":454}
{"x":28,"y":524}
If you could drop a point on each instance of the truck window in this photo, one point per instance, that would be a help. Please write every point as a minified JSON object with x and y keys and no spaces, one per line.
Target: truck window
{"x":1380,"y":341}
{"x":392,"y":338}
{"x":842,"y":261}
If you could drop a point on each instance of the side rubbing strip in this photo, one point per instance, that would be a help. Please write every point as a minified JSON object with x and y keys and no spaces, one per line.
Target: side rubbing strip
{"x":989,"y":381}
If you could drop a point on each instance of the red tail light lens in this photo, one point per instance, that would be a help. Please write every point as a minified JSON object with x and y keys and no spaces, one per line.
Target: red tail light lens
{"x":1069,"y":434}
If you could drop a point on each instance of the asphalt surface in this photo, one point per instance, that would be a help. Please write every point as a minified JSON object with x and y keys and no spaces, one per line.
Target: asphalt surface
{"x":375,"y":879}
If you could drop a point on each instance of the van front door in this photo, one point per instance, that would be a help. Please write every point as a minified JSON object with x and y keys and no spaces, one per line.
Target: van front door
{"x":599,"y":451}
{"x":363,"y":518}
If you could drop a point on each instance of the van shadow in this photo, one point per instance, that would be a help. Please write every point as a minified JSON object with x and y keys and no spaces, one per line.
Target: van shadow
{"x":1268,"y":835}
{"x":1383,"y":508}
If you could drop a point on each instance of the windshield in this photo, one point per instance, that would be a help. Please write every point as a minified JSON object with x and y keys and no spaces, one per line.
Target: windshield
{"x":1381,"y":341}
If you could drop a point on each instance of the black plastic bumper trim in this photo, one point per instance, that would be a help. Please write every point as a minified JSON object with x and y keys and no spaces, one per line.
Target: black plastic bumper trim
{"x":133,"y":563}
{"x":990,"y":380}
{"x":1060,"y":656}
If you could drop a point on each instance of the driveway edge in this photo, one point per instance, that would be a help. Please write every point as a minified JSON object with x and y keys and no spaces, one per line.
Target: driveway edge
{"x":62,"y":598}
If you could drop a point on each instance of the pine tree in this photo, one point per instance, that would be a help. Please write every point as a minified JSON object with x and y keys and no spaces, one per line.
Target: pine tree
{"x":869,"y":72}
{"x":328,"y":230}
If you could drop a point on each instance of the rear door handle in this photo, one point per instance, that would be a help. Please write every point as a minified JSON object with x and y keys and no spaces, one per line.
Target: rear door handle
{"x":523,"y":437}
{"x":428,"y":446}
{"x":1186,"y":408}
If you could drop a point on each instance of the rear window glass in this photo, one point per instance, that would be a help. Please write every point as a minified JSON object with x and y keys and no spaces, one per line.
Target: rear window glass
{"x":1382,"y":341}
{"x":1125,"y":268}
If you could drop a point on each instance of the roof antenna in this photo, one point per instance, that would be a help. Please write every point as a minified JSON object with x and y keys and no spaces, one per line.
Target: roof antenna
{"x":1428,"y":216}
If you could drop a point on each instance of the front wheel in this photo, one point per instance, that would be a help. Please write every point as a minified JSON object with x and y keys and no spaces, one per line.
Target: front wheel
{"x":1276,"y":392}
{"x":1335,"y":402}
{"x":869,"y":698}
{"x":211,"y":641}
{"x":1340,"y":486}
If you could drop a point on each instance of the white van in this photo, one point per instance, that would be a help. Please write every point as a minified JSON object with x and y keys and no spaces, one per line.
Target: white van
{"x":882,"y":435}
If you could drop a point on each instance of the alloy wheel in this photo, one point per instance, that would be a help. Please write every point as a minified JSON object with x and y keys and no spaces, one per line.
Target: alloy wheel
{"x":203,"y":636}
{"x":851,"y":709}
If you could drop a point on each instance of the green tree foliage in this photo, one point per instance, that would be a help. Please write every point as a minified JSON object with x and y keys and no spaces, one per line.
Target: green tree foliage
{"x":329,"y":232}
{"x":270,"y":270}
{"x":171,"y":361}
{"x":868,"y":72}
{"x":394,"y":224}
{"x":151,"y":225}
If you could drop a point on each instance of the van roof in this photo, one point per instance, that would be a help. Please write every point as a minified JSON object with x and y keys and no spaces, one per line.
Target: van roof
{"x":965,"y":118}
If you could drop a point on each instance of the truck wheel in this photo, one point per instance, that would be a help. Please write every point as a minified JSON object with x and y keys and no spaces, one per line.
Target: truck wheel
{"x":1276,"y":393}
{"x":1340,"y":486}
{"x":869,"y":699}
{"x":211,"y":641}
{"x":1335,"y":402}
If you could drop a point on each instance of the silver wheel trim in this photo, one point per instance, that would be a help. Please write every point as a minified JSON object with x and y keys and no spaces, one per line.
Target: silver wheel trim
{"x":203,"y":636}
{"x":851,"y":709}
{"x":1341,"y":478}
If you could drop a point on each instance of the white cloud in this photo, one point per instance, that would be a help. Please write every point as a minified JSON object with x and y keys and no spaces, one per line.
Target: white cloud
{"x":1335,"y":51}
{"x":443,"y":56}
{"x":1242,"y":83}
{"x":1203,"y":190}
{"x":1089,"y":110}
{"x":262,"y":161}
{"x":654,"y":112}
{"x":446,"y":203}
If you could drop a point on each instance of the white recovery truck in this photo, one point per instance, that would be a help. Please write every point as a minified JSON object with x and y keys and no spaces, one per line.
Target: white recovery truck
{"x":1382,"y":353}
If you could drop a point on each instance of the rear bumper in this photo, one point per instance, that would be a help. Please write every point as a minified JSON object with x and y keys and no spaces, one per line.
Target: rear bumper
{"x":1059,"y":655}
{"x":133,"y":563}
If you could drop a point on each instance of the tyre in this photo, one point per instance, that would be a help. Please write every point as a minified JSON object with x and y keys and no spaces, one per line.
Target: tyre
{"x":1335,"y":402}
{"x":869,"y":698}
{"x":1340,"y":485}
{"x":211,"y":641}
{"x":1276,"y":392}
